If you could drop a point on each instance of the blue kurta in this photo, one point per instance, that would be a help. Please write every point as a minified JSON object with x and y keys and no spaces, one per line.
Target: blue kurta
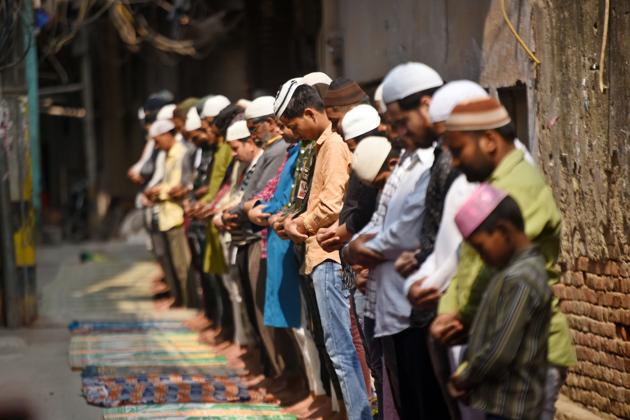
{"x":282,"y":291}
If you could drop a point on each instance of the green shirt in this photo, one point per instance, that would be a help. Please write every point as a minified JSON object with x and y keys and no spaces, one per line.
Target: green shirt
{"x":220,"y":163}
{"x":214,"y":261}
{"x":526,"y":185}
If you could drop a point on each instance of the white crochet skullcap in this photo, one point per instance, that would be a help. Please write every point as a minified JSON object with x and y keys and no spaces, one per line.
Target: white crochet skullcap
{"x":237,"y":131}
{"x":213,"y":106}
{"x":260,"y":107}
{"x":369,"y":157}
{"x":317,"y":77}
{"x":193,"y":121}
{"x":448,"y":96}
{"x":359,"y":120}
{"x":166,"y":112}
{"x":409,"y":78}
{"x":160,"y":127}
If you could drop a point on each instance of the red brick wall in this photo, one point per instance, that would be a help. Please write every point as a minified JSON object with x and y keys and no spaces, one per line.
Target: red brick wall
{"x":595,"y":295}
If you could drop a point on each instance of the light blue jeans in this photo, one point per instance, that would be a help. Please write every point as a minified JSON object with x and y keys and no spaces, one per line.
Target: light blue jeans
{"x":334,"y":310}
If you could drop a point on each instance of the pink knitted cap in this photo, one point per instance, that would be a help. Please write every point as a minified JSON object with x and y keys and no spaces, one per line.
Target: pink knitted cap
{"x":477,"y":208}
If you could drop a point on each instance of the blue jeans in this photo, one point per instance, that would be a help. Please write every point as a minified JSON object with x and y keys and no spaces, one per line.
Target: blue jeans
{"x":334,"y":310}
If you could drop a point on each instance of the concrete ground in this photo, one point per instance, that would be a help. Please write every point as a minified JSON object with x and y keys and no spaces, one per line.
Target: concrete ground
{"x":34,"y":360}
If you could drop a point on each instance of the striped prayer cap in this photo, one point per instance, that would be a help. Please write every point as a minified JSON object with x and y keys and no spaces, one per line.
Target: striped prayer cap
{"x":477,"y":114}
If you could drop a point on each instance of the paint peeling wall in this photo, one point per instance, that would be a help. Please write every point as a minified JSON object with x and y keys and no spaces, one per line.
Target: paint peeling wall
{"x":584,"y":147}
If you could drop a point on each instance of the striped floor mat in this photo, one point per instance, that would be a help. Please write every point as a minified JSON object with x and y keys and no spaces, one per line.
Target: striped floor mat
{"x":155,"y":348}
{"x":102,"y":327}
{"x":197,"y":412}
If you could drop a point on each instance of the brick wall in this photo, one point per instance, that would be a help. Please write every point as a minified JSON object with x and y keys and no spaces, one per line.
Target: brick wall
{"x":595,"y":295}
{"x":583,"y":147}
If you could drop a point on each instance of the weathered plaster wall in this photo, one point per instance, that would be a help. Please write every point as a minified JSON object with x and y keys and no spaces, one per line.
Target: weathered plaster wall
{"x":584,"y":148}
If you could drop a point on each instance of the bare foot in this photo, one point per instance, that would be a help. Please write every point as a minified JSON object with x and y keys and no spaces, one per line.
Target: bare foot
{"x":301,"y":405}
{"x":321,"y":407}
{"x":198,"y":323}
{"x":164,"y":304}
{"x":253,"y":382}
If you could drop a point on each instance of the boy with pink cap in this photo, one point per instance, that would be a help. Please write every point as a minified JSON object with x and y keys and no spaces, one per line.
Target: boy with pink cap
{"x":504,"y":367}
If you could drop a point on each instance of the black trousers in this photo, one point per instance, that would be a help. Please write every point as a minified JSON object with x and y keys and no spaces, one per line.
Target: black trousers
{"x":314,"y":322}
{"x":417,"y":393}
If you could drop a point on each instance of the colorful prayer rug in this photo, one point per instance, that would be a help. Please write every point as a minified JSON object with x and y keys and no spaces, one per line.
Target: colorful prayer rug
{"x":166,"y":388}
{"x":198,"y":412}
{"x":101,"y":327}
{"x":155,"y":348}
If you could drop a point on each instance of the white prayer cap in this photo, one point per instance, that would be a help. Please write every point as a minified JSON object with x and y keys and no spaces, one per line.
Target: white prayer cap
{"x":166,"y":112}
{"x":378,"y":97}
{"x":160,"y":127}
{"x":317,"y":77}
{"x":369,"y":157}
{"x":409,"y":78}
{"x":259,"y":107}
{"x":237,"y":131}
{"x":359,"y":120}
{"x":243,"y":103}
{"x":193,"y":121}
{"x":284,"y":95}
{"x":213,"y":106}
{"x":448,"y":96}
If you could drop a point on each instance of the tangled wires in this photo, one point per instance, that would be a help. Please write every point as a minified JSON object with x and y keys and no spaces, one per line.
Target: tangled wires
{"x":10,"y":34}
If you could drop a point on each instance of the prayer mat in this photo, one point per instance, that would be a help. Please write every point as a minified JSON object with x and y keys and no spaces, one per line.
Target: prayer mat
{"x":153,"y":348}
{"x":197,"y":412}
{"x":118,"y":371}
{"x":89,"y":327}
{"x":166,"y":388}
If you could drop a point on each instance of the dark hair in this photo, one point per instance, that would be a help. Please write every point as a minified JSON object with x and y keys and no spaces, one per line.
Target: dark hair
{"x":375,"y":132}
{"x":322,"y":89}
{"x":412,"y":101}
{"x":393,"y":153}
{"x":305,"y":96}
{"x":150,"y":117}
{"x":507,"y":210}
{"x":225,"y":117}
{"x":507,"y":132}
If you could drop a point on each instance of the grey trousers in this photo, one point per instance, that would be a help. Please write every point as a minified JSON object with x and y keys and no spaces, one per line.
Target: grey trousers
{"x":556,"y":375}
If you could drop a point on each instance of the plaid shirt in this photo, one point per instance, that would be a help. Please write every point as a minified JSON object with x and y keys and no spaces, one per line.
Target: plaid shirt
{"x":506,"y":361}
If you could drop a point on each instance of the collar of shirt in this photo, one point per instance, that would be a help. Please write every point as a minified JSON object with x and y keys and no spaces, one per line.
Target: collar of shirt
{"x":327,"y":133}
{"x":252,"y":164}
{"x":425,"y":156}
{"x":507,"y":164}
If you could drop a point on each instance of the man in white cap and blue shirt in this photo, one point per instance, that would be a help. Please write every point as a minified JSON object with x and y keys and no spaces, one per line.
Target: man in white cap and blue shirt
{"x":407,"y":92}
{"x":277,"y":346}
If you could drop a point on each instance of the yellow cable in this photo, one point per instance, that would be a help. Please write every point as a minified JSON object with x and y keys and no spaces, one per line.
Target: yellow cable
{"x":529,"y":52}
{"x":602,"y":53}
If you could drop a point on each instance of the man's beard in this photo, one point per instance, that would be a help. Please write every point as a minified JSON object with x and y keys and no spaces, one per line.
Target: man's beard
{"x":477,"y":174}
{"x":427,"y":139}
